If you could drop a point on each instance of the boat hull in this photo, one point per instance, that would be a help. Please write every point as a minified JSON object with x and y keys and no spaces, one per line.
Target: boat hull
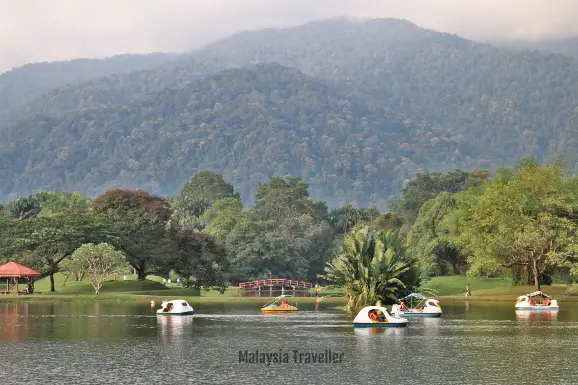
{"x":421,"y":315}
{"x":538,"y":308}
{"x":178,"y":314}
{"x":279,"y":311}
{"x":380,"y":325}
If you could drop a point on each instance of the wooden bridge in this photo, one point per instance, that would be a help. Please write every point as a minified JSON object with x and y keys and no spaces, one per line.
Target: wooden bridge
{"x":275,"y":282}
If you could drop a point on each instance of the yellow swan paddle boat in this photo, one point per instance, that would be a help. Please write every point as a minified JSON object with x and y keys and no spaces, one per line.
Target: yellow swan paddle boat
{"x":279,"y":305}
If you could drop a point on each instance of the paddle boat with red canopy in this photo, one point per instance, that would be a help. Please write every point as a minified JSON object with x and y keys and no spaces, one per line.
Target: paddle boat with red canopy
{"x":536,"y":301}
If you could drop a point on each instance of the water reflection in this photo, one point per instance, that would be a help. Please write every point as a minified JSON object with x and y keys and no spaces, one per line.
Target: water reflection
{"x":173,"y":328}
{"x":470,"y":344}
{"x":543,"y":315}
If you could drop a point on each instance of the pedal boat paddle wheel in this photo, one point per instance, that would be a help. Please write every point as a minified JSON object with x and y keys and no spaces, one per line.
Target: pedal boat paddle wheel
{"x":377,"y":317}
{"x":536,"y":301}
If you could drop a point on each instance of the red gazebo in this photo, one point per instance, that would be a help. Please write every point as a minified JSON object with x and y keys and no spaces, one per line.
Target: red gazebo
{"x":14,"y":270}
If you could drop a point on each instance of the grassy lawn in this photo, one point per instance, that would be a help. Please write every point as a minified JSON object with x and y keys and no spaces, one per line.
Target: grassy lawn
{"x":449,"y":288}
{"x":144,"y":291}
{"x":456,"y":284}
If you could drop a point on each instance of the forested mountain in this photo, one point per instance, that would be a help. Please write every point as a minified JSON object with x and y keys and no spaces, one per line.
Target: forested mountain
{"x":249,"y":123}
{"x":22,"y":84}
{"x":566,"y":46}
{"x":375,"y":102}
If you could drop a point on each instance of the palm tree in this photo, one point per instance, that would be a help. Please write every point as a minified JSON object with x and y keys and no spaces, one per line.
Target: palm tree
{"x":372,"y":266}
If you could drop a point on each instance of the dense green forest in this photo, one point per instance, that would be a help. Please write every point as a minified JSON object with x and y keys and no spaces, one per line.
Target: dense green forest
{"x":203,"y":234}
{"x":354,"y":108}
{"x":521,"y":223}
{"x":23,"y":84}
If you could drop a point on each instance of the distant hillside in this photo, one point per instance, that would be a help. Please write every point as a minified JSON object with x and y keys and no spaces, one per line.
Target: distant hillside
{"x":24,"y":83}
{"x":565,"y":46}
{"x":454,"y":104}
{"x":248,"y":123}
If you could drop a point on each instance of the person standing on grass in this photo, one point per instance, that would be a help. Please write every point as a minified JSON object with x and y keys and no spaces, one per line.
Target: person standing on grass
{"x":468,"y":292}
{"x":178,"y":281}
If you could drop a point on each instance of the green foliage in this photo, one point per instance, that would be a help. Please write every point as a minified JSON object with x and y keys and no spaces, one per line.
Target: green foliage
{"x":286,"y":235}
{"x":141,"y":219}
{"x":99,"y":262}
{"x":372,"y":267}
{"x":24,"y":208}
{"x":430,"y":238}
{"x":222,"y":216}
{"x":200,"y":260}
{"x":23,"y":84}
{"x":57,"y":203}
{"x":527,"y":220}
{"x":51,"y":239}
{"x":344,"y":219}
{"x":202,"y":191}
{"x":427,"y":186}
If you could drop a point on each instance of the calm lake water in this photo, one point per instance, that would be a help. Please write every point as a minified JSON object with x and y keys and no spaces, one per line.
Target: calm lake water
{"x":116,"y":342}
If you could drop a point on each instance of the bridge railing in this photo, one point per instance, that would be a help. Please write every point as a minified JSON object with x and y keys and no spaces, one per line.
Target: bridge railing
{"x":275,"y":282}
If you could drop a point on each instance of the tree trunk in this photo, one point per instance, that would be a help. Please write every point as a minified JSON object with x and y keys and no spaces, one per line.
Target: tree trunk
{"x":52,"y":281}
{"x":141,"y":271}
{"x":536,"y":274}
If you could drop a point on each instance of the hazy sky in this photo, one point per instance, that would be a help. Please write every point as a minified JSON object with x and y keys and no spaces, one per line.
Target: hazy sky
{"x":45,"y":30}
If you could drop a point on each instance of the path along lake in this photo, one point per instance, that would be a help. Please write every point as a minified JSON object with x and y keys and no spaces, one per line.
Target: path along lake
{"x":122,"y":342}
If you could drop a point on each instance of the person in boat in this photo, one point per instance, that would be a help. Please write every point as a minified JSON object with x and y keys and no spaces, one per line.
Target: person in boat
{"x":373,"y":316}
{"x":546,"y":302}
{"x":283,"y":304}
{"x":531,"y":302}
{"x":402,"y":305}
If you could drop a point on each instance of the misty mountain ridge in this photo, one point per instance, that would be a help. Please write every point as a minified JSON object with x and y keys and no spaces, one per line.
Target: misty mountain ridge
{"x":415,"y":99}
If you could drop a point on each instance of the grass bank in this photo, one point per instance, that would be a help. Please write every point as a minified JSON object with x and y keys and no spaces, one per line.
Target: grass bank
{"x":146,"y":291}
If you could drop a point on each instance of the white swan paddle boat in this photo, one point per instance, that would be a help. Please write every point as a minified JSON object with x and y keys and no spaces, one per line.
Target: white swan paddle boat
{"x":423,"y":307}
{"x":526,"y":302}
{"x":176,"y":307}
{"x":376,"y":317}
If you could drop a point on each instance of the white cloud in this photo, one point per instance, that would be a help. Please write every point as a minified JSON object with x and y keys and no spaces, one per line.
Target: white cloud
{"x":40,"y":30}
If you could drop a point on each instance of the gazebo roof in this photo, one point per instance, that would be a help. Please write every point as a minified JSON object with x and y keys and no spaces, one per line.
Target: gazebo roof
{"x":12,"y":269}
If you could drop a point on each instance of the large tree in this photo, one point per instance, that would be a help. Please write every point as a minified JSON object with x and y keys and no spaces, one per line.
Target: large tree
{"x":54,"y":238}
{"x":200,"y":260}
{"x":287,"y":234}
{"x":141,"y":219}
{"x":430,"y":238}
{"x":99,"y":262}
{"x":524,"y":219}
{"x":427,"y":186}
{"x":202,"y":191}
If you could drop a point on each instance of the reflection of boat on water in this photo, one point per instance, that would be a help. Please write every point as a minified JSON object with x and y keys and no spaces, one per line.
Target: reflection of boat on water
{"x":377,"y":316}
{"x":546,"y":315}
{"x":176,"y":307}
{"x":279,"y":304}
{"x":545,"y":302}
{"x":175,"y":326}
{"x":371,"y":331}
{"x":416,"y":305}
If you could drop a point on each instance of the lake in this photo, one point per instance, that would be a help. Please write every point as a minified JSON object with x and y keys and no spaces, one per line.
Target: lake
{"x":122,"y":342}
